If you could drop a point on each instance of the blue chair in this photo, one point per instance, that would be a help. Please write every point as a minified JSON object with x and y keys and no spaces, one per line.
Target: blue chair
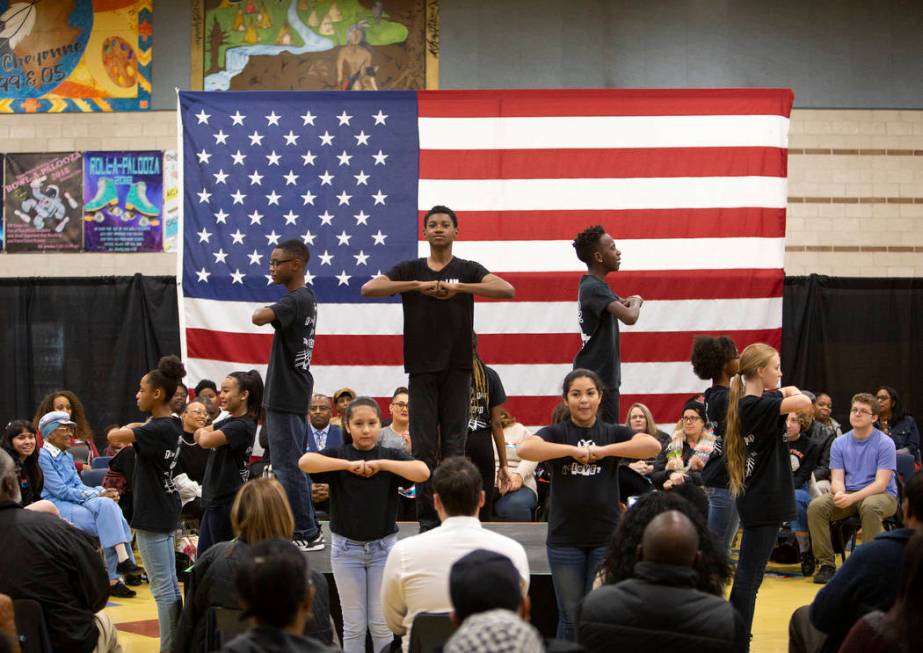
{"x":906,"y":466}
{"x":93,"y":477}
{"x":102,"y":462}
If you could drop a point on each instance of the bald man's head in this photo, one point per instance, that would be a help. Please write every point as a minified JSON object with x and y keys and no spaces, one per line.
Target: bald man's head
{"x":670,"y":538}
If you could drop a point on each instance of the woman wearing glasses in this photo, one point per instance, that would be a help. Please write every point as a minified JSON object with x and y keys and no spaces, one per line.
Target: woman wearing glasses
{"x":684,"y":457}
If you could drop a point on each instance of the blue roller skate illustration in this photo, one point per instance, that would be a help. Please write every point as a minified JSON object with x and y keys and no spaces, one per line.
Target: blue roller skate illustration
{"x":106,"y":195}
{"x":137,"y":200}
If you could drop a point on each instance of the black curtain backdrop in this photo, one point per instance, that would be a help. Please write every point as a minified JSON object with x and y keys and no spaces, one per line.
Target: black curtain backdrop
{"x":844,"y":335}
{"x":94,"y":336}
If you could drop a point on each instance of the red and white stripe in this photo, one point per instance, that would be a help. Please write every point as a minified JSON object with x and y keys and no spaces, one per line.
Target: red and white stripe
{"x":691,"y":184}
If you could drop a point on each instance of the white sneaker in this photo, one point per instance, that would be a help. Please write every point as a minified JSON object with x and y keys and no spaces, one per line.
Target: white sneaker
{"x":317,"y":544}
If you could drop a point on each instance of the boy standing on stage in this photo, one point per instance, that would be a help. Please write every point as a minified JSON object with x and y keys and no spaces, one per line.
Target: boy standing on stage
{"x":599,"y":313}
{"x":438,"y":298}
{"x":289,"y":384}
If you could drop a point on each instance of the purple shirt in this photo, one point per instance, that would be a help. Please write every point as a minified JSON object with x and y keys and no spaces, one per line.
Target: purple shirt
{"x":861,"y":459}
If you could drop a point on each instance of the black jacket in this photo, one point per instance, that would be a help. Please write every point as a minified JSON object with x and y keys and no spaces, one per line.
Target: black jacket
{"x":270,"y":640}
{"x":659,"y":610}
{"x":211,"y":584}
{"x":823,"y":436}
{"x":51,"y":562}
{"x":807,"y":451}
{"x":660,"y":475}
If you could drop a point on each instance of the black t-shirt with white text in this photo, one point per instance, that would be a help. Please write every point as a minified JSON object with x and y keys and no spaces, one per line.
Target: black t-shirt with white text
{"x":769,"y":495}
{"x":363,"y":509}
{"x":584,"y":498}
{"x":482,"y":407}
{"x":599,"y":331}
{"x":288,"y":378}
{"x":437,"y":332}
{"x":156,"y":499}
{"x":715,"y":473}
{"x":227,"y":469}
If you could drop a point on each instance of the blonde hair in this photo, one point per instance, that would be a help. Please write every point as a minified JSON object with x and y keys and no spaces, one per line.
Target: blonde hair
{"x":752,"y":359}
{"x":261,"y":512}
{"x":651,"y":428}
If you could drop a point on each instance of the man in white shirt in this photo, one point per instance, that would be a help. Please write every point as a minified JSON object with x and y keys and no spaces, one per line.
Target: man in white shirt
{"x":416,"y":575}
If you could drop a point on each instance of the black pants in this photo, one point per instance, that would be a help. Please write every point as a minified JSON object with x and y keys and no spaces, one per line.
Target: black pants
{"x":438,"y":425}
{"x":609,"y":407}
{"x":479,"y":448}
{"x":215,"y":527}
{"x":755,"y":548}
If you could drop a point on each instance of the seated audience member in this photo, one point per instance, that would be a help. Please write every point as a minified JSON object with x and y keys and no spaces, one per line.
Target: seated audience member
{"x":862,"y":467}
{"x":193,"y":458}
{"x":206,"y":390}
{"x":640,"y":420}
{"x":635,"y":475}
{"x":684,"y":458}
{"x":804,"y":452}
{"x":180,"y":397}
{"x":82,"y":439}
{"x":341,"y":399}
{"x":275,"y":590}
{"x":898,"y":630}
{"x":489,"y":609}
{"x":19,"y":441}
{"x":321,"y":432}
{"x":121,"y":473}
{"x":660,"y":607}
{"x":519,"y":502}
{"x":53,"y":563}
{"x":416,"y":575}
{"x":711,"y":565}
{"x":867,"y":581}
{"x":91,"y":509}
{"x":823,"y":410}
{"x":397,"y":434}
{"x":260,"y":513}
{"x":894,"y":422}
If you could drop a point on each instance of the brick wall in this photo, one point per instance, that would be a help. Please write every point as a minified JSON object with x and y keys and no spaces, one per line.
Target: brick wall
{"x":855,"y":189}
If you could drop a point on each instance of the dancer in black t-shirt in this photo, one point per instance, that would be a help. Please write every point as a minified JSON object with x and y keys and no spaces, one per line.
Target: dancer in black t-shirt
{"x":437,"y":293}
{"x":758,"y":465}
{"x":600,"y":311}
{"x":582,"y":453}
{"x":230,"y":441}
{"x":156,"y":445}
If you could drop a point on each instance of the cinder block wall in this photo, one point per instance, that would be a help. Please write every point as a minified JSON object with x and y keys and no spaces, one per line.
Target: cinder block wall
{"x":855,"y":189}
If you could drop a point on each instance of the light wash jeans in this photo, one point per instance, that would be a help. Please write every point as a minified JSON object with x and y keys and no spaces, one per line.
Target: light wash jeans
{"x":357,"y":569}
{"x":103,"y":518}
{"x":158,"y":553}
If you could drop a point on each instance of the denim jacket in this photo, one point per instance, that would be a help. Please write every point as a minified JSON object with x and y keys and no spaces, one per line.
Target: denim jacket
{"x":62,"y":484}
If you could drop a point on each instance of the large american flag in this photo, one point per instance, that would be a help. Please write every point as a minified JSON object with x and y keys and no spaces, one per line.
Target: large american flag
{"x":690,"y":183}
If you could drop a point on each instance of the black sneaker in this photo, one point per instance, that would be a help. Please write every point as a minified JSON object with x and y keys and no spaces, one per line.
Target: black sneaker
{"x":317,"y":544}
{"x":135,"y":579}
{"x":128,"y":567}
{"x":808,"y":563}
{"x":823,"y":576}
{"x":122,"y":591}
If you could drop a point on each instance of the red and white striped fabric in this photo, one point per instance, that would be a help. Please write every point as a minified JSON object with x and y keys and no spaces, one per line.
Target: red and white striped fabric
{"x":690,"y":183}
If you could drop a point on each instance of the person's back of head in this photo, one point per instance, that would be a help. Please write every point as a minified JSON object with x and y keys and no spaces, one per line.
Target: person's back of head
{"x":273,"y":587}
{"x":457,"y":487}
{"x":913,"y":501}
{"x":495,"y":631}
{"x":670,"y":538}
{"x":261,"y":512}
{"x":9,"y":483}
{"x":485,"y":580}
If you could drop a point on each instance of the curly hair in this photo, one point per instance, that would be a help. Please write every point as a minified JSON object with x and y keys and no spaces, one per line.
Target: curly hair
{"x":586,"y":242}
{"x":710,"y":354}
{"x":169,"y":372}
{"x":83,"y":431}
{"x":712,"y":565}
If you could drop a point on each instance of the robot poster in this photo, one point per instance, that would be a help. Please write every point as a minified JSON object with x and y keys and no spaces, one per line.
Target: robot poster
{"x":42,"y":200}
{"x":123,"y":208}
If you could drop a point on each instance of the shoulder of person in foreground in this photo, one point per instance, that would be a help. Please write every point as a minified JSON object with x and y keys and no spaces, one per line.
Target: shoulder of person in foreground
{"x":271,"y":640}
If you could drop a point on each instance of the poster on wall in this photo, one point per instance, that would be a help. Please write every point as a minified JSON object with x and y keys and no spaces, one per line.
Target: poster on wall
{"x":42,"y":194}
{"x":170,"y":200}
{"x":75,"y":55}
{"x":314,"y":44}
{"x":124,"y":201}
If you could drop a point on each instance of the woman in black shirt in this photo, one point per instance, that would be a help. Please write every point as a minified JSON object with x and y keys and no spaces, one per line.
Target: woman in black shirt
{"x":364,"y":478}
{"x":157,"y":504}
{"x":582,"y":453}
{"x":758,"y":465}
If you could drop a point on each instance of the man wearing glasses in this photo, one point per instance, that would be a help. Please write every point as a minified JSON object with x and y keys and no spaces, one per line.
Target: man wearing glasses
{"x":862,"y":466}
{"x":289,"y":384}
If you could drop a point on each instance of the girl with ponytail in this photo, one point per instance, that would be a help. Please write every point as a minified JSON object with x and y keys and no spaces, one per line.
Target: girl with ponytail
{"x":156,"y":499}
{"x":758,"y":465}
{"x":230,"y":441}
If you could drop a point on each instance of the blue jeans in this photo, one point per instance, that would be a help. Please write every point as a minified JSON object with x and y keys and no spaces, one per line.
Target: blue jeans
{"x":755,"y":548}
{"x":158,"y":553}
{"x":573,"y":570}
{"x":357,"y":569}
{"x":103,"y":518}
{"x":516,"y":506}
{"x":722,"y":515}
{"x":287,"y":434}
{"x":802,"y":499}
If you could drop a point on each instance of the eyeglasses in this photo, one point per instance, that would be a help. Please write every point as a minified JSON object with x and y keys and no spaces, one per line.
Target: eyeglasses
{"x":400,"y":404}
{"x":274,"y":263}
{"x":691,"y":420}
{"x":859,"y":411}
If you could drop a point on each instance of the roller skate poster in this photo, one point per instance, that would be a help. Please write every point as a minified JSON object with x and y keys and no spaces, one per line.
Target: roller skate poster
{"x":75,"y":55}
{"x":123,"y":208}
{"x":42,"y":198}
